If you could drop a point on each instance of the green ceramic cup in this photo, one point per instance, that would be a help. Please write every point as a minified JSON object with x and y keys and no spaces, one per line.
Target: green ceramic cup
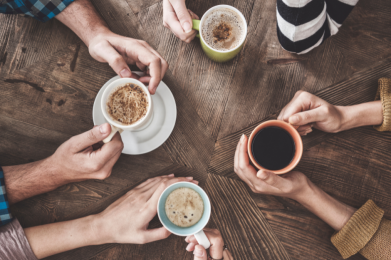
{"x":213,"y":54}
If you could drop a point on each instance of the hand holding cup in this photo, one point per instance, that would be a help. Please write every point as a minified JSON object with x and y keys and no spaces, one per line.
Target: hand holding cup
{"x":178,"y":19}
{"x":288,"y":185}
{"x":78,"y":158}
{"x":127,"y":219}
{"x":216,"y":250}
{"x":307,"y":110}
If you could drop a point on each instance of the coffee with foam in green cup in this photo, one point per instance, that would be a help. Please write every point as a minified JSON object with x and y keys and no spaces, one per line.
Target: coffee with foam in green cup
{"x":223,"y":30}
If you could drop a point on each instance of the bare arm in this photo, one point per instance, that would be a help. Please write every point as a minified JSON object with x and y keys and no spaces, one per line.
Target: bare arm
{"x":116,"y":50}
{"x":75,"y":160}
{"x":335,"y":213}
{"x":307,"y":110}
{"x":27,"y":180}
{"x":294,"y":185}
{"x":82,"y":18}
{"x":370,"y":113}
{"x":124,"y":221}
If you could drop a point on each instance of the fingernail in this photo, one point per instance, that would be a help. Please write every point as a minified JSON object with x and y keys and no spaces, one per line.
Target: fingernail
{"x":198,"y":252}
{"x":294,"y":119}
{"x":188,"y":247}
{"x":125,"y":73}
{"x":263,"y":174}
{"x":186,"y":239}
{"x":103,"y":129}
{"x":195,"y":182}
{"x":186,"y":27}
{"x":171,"y":175}
{"x":189,"y":178}
{"x":242,"y":138}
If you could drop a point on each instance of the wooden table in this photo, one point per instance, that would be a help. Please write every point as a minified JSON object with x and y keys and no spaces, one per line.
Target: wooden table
{"x":48,"y":83}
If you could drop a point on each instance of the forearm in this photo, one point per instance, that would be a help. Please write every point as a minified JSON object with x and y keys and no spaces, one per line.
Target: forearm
{"x":330,"y":210}
{"x":370,"y":113}
{"x":82,"y":18}
{"x":27,"y":180}
{"x":50,"y":239}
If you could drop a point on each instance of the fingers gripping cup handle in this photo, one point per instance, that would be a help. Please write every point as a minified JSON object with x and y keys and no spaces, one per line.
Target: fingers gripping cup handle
{"x":114,"y":130}
{"x":202,"y":239}
{"x":196,"y":26}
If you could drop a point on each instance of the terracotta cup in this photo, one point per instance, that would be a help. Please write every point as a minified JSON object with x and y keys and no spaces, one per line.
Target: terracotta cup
{"x":295,"y":136}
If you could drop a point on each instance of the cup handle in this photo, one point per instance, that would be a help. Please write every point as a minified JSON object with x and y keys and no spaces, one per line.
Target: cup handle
{"x":202,"y":239}
{"x":196,"y":26}
{"x":114,"y":130}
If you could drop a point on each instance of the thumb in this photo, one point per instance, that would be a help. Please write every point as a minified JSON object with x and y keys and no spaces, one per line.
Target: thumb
{"x":183,"y":15}
{"x":200,"y":253}
{"x":156,"y":234}
{"x":93,"y":136}
{"x":272,"y":179}
{"x":306,"y":117}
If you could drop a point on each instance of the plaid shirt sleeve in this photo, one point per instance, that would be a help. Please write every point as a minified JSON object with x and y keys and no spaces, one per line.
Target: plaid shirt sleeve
{"x":5,"y":215}
{"x":42,"y":10}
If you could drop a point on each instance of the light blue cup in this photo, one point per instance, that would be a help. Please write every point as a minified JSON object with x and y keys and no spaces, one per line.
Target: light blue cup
{"x":197,"y":229}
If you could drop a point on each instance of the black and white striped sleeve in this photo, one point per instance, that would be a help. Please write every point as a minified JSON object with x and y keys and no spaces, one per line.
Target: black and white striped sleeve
{"x":303,"y":25}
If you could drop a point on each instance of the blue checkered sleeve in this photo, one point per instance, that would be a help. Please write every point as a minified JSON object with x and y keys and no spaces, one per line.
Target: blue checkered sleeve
{"x":42,"y":10}
{"x":5,"y":215}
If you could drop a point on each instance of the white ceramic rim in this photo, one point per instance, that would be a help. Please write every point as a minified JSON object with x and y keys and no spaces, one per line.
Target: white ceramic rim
{"x":236,"y":11}
{"x":177,"y":183}
{"x":110,"y":88}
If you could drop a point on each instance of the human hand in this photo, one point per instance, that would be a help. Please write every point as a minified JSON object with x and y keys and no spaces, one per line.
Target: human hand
{"x":127,"y":219}
{"x":178,"y":19}
{"x":216,"y":249}
{"x":307,"y":111}
{"x":119,"y":51}
{"x":77,"y":160}
{"x":291,"y":185}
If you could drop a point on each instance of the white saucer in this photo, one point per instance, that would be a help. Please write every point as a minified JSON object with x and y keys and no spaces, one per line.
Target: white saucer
{"x":157,"y":132}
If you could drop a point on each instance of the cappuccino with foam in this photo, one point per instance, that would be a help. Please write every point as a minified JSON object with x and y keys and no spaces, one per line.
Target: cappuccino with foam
{"x":127,"y":104}
{"x":184,"y":207}
{"x":223,"y":29}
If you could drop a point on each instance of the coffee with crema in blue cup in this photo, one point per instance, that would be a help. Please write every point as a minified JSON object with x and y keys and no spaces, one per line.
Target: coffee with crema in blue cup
{"x":184,"y":207}
{"x":196,"y":203}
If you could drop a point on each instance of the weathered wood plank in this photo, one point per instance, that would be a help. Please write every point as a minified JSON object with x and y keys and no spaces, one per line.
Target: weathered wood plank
{"x":245,"y":229}
{"x":25,"y":41}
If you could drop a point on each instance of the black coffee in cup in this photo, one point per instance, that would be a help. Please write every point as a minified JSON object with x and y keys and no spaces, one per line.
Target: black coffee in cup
{"x":273,"y":148}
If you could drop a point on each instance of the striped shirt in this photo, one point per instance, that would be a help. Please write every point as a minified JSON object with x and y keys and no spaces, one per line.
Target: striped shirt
{"x":5,"y":215}
{"x":302,"y":25}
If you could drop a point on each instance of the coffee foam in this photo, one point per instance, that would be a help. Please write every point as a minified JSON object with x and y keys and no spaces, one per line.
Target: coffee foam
{"x":217,"y":23}
{"x":184,"y":207}
{"x":127,"y":104}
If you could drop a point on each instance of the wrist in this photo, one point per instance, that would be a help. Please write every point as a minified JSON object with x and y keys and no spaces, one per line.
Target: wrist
{"x":370,"y":113}
{"x":347,"y":119}
{"x":55,"y":172}
{"x":333,"y":212}
{"x":306,"y":192}
{"x":97,"y":34}
{"x":98,"y":232}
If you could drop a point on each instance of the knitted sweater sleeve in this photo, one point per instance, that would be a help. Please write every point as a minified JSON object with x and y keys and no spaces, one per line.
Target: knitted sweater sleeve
{"x":384,"y":94}
{"x":366,"y":232}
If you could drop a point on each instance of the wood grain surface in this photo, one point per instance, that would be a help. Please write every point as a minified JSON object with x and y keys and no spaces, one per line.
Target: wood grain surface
{"x":48,"y":84}
{"x":248,"y":234}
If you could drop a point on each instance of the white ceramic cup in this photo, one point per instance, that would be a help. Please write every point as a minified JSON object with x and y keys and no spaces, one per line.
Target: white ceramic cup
{"x":116,"y":126}
{"x":196,"y":229}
